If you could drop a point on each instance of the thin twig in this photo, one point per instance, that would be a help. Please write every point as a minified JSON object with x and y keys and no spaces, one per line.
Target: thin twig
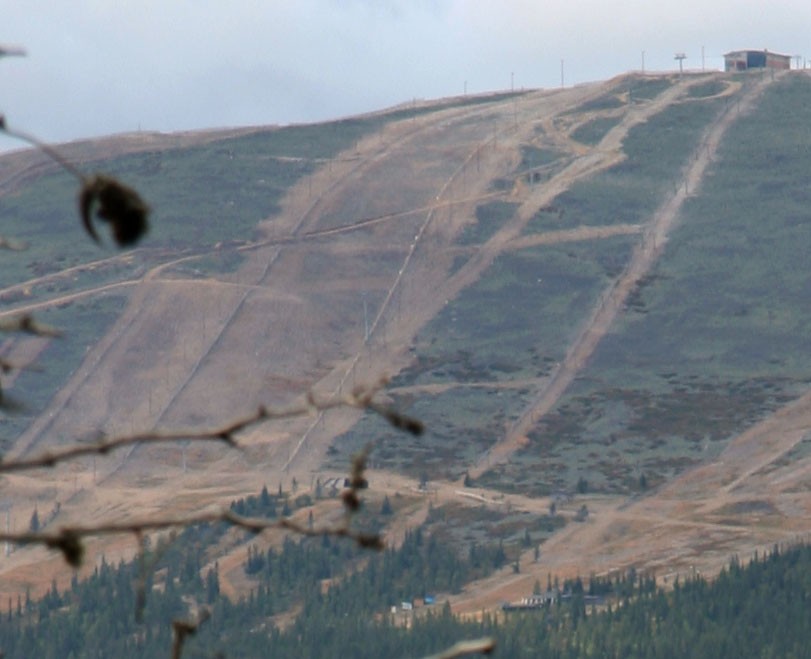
{"x":28,"y":324}
{"x":68,"y":539}
{"x":48,"y":150}
{"x":225,"y":434}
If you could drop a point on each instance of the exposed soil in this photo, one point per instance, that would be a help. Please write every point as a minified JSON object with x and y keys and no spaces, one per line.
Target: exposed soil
{"x":377,"y":226}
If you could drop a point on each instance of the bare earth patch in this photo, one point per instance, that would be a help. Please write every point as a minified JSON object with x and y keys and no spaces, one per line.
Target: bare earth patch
{"x":376,"y":227}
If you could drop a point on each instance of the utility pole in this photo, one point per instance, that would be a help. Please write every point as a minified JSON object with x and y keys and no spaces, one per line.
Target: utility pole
{"x":681,"y":57}
{"x":512,"y":81}
{"x":562,"y":79}
{"x":515,"y":113}
{"x":702,"y":59}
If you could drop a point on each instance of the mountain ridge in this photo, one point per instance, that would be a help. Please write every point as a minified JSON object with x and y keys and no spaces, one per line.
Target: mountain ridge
{"x":345,"y":273}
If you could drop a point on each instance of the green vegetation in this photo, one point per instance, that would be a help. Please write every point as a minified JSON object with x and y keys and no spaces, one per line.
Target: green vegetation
{"x":713,"y":339}
{"x":630,"y":191}
{"x":101,"y":616}
{"x":751,"y":611}
{"x":594,"y":130}
{"x":647,"y":88}
{"x":489,"y":219}
{"x":709,"y":88}
{"x":512,"y":325}
{"x":463,"y":422}
{"x":518,"y":318}
{"x":461,"y":525}
{"x":211,"y":194}
{"x":608,"y":101}
{"x":88,"y":319}
{"x":533,"y":157}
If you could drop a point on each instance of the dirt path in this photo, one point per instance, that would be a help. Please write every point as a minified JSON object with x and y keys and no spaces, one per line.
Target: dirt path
{"x":612,"y":302}
{"x":177,"y":354}
{"x":575,"y":235}
{"x":748,"y":499}
{"x":416,"y":285}
{"x":290,"y":320}
{"x":422,"y":288}
{"x":753,"y":496}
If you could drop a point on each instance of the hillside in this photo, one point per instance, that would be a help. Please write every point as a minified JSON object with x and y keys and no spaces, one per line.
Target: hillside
{"x":592,"y":296}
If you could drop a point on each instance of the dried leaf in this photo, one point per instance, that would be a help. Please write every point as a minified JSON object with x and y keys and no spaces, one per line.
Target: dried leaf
{"x":117,"y":204}
{"x":71,"y":547}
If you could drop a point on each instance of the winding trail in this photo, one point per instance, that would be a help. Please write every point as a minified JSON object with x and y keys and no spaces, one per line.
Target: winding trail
{"x":612,"y":302}
{"x":617,"y":533}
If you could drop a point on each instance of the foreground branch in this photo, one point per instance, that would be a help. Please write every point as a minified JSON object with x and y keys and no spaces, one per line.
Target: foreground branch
{"x":360,"y":398}
{"x":28,"y":324}
{"x":69,"y":539}
{"x":112,"y":202}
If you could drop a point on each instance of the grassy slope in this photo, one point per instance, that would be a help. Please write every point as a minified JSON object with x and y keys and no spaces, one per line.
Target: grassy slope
{"x":201,"y":195}
{"x":713,"y":339}
{"x":516,"y":322}
{"x":706,"y":347}
{"x":716,"y":336}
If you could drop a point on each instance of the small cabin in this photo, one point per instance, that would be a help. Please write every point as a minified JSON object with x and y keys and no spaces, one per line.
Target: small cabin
{"x":743,"y":60}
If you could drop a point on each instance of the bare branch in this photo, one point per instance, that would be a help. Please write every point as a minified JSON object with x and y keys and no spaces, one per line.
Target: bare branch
{"x":27,"y":323}
{"x":7,"y":367}
{"x":52,"y":458}
{"x":47,"y":149}
{"x":396,"y":419}
{"x":362,"y":397}
{"x":226,"y":434}
{"x":68,"y":539}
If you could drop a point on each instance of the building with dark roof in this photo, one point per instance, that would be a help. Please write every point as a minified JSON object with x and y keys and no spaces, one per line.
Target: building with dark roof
{"x":742,"y":60}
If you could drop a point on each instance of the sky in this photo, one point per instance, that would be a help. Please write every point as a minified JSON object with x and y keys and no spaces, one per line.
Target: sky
{"x":95,"y":67}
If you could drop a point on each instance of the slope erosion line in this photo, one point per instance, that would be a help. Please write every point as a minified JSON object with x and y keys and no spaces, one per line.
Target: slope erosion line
{"x":612,"y":302}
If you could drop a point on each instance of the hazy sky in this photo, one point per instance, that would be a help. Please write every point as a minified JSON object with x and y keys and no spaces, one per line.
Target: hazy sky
{"x":104,"y":66}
